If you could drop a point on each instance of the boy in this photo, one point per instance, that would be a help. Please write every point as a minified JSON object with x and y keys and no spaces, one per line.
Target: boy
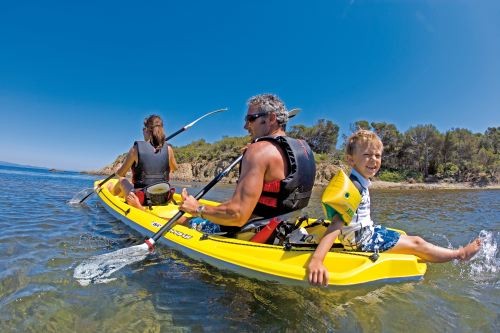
{"x":364,"y":155}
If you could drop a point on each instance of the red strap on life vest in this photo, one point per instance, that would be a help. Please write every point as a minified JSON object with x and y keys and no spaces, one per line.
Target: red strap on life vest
{"x":268,"y":201}
{"x":273,"y":187}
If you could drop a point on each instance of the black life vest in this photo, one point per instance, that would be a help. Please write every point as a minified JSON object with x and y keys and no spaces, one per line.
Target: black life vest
{"x":152,"y":167}
{"x":293,"y":192}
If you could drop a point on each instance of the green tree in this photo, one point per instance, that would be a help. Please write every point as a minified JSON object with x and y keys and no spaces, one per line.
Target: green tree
{"x":392,"y":140}
{"x":322,"y":137}
{"x":491,"y":140}
{"x":423,"y":146}
{"x":418,"y":153}
{"x":359,"y":124}
{"x":461,"y":148}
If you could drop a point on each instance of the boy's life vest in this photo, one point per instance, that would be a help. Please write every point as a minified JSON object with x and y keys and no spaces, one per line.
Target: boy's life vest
{"x":152,"y":166}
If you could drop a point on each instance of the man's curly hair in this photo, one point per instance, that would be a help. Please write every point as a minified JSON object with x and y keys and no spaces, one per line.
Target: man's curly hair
{"x":270,"y":103}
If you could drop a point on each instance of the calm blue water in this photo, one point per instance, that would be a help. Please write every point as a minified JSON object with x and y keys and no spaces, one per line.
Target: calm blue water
{"x":42,"y":239}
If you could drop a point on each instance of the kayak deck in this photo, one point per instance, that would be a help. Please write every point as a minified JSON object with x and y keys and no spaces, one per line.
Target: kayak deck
{"x":263,"y":261}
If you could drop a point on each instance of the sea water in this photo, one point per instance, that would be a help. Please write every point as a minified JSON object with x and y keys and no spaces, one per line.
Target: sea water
{"x":43,"y":239}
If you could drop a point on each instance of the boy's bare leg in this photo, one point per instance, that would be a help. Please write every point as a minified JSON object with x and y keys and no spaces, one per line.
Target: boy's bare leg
{"x":432,"y":253}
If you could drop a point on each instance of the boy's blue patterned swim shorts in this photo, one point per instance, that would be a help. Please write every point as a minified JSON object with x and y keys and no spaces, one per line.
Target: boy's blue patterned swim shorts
{"x":382,"y":240}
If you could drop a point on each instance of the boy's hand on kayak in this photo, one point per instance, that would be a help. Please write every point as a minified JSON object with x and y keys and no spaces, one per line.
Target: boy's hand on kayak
{"x":189,"y":203}
{"x":318,"y":274}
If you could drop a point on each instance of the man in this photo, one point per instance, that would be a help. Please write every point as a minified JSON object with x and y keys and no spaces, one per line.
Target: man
{"x":276,"y":173}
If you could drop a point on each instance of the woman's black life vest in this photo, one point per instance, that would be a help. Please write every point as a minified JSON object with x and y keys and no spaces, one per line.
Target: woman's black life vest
{"x":293,"y":192}
{"x":152,"y":166}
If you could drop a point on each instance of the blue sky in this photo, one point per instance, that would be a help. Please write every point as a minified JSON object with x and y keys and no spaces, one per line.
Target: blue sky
{"x":78,"y":78}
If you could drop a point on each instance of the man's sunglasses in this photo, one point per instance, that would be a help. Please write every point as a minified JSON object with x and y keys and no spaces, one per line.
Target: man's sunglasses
{"x":252,"y":117}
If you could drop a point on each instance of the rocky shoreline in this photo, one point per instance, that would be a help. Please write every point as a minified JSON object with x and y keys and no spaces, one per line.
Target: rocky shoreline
{"x":205,"y":172}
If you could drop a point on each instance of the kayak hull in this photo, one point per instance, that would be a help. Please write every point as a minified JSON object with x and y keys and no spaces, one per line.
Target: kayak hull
{"x":263,"y":261}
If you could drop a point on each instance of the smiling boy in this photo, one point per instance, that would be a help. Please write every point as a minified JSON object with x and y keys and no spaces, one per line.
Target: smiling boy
{"x":364,"y":155}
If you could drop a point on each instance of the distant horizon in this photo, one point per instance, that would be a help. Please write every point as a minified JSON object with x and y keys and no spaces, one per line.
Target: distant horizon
{"x":12,"y":164}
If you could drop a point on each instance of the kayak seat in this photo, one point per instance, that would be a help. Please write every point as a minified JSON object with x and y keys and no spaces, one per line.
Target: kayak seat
{"x":277,"y":230}
{"x":258,"y":230}
{"x":268,"y":232}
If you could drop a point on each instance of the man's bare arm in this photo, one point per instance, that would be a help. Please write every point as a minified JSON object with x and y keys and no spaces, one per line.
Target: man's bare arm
{"x":237,"y":210}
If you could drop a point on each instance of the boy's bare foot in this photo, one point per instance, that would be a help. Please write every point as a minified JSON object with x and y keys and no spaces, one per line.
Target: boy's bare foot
{"x":468,"y":251}
{"x":133,"y":201}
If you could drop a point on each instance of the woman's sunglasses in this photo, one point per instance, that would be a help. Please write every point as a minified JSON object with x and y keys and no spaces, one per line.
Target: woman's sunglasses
{"x":252,"y":117}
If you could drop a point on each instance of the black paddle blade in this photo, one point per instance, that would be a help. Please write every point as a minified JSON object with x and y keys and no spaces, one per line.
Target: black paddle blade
{"x":98,"y":269}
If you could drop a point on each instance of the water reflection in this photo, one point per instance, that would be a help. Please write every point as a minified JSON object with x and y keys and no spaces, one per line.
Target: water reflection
{"x":43,"y":239}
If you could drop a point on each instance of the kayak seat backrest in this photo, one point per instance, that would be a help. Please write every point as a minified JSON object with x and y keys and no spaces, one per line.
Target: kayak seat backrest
{"x":268,"y":232}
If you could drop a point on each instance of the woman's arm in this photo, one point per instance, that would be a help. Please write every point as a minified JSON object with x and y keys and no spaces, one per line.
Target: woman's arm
{"x":172,"y":163}
{"x":130,"y":159}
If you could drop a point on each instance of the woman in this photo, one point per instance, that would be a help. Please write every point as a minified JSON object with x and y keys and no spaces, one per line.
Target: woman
{"x":151,"y":161}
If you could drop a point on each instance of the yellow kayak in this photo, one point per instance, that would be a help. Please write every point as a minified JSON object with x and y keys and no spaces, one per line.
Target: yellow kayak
{"x":285,"y":264}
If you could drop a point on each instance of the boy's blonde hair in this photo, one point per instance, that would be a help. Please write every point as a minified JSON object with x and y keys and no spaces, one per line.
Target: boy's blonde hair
{"x":359,"y":137}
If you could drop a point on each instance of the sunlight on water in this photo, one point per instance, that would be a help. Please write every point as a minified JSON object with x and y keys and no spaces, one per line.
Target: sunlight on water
{"x":95,"y":241}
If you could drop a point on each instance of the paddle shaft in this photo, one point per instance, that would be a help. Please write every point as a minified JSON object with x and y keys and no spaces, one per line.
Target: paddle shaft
{"x":98,"y":186}
{"x":192,"y":123}
{"x":198,"y":195}
{"x":186,"y":127}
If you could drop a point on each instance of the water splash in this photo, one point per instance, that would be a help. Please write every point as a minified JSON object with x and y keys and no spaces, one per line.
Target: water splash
{"x":485,"y":265}
{"x":98,"y":269}
{"x":77,"y":198}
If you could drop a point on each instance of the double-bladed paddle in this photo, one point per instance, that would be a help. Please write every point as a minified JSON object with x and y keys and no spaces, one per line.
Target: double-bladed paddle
{"x":84,"y":194}
{"x":98,"y":269}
